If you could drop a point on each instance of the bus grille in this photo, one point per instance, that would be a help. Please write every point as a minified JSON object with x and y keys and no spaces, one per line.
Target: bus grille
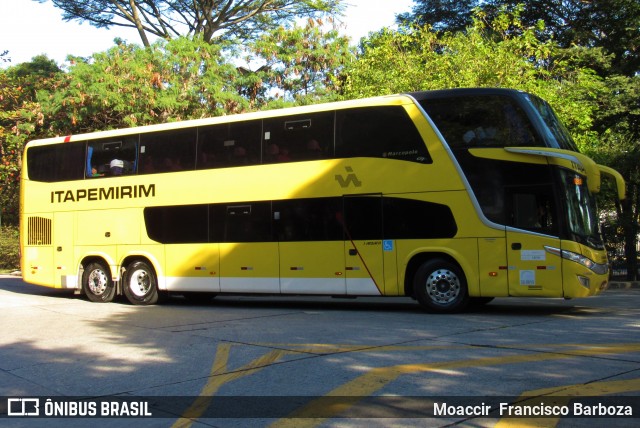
{"x":39,"y":231}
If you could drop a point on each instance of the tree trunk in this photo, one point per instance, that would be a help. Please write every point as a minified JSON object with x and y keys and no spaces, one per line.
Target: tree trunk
{"x":138,"y":24}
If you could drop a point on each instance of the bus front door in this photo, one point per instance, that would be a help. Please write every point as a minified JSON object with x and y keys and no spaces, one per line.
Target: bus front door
{"x":532,"y":270}
{"x":532,"y":216}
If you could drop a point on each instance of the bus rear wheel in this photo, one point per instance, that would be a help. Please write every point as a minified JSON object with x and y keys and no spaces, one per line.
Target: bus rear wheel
{"x":141,"y":284}
{"x":97,"y":283}
{"x":440,"y":286}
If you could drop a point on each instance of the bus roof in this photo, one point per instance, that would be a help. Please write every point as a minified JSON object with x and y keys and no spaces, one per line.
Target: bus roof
{"x":449,"y":93}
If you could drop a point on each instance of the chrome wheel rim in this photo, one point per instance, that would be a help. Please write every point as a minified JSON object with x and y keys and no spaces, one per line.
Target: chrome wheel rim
{"x":98,"y":282}
{"x":443,"y":286}
{"x":140,"y":283}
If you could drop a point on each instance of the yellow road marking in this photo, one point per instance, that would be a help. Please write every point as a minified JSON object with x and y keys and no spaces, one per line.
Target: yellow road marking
{"x":377,"y":378}
{"x":218,"y":378}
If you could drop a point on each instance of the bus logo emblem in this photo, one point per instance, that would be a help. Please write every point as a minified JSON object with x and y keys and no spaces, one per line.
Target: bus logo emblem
{"x":351,"y":178}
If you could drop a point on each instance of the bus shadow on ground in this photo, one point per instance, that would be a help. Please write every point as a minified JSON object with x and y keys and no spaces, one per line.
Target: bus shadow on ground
{"x":498,"y":307}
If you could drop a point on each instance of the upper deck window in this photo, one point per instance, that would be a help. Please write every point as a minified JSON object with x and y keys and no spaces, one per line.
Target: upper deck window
{"x":298,"y":138}
{"x":229,"y":144}
{"x":375,"y":132}
{"x":481,"y":121}
{"x":167,"y":151}
{"x":379,"y":132}
{"x":60,"y":162}
{"x":112,"y":157}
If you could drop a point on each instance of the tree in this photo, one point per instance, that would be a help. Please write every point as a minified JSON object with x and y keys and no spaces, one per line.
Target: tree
{"x":488,"y":53}
{"x":209,"y":19}
{"x":441,"y":15}
{"x":129,"y":86}
{"x":609,"y":24}
{"x":21,"y":119}
{"x":617,"y":120}
{"x":300,"y":63}
{"x":39,"y":67}
{"x":613,"y":25}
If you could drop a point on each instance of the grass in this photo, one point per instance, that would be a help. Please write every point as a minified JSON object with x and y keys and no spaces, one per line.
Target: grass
{"x":9,"y":249}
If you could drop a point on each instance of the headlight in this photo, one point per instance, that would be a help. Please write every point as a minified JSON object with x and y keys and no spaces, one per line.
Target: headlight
{"x":596,"y":268}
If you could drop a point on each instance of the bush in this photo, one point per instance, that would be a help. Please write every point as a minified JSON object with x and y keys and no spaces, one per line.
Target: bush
{"x":9,"y":248}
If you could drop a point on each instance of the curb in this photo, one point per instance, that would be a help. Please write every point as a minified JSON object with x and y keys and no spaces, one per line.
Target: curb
{"x":623,"y":285}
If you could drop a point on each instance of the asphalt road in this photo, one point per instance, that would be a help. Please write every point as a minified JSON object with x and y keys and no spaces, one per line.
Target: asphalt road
{"x":316,"y":362}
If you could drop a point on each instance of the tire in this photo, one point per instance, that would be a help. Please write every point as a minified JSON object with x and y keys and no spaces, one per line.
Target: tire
{"x":440,"y":286}
{"x":97,"y":283}
{"x":140,"y":284}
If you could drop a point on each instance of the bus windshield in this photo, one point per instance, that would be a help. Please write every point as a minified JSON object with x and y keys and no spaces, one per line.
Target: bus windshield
{"x":486,"y":120}
{"x":581,"y":211}
{"x":557,"y":129}
{"x":491,"y":117}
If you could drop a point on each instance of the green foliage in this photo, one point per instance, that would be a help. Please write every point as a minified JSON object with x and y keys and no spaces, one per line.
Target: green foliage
{"x":300,"y":62}
{"x":441,"y":15}
{"x":618,"y":121}
{"x":9,"y":248}
{"x":21,"y":119}
{"x":129,"y":85}
{"x":611,"y":25}
{"x":500,"y":53}
{"x":40,"y":66}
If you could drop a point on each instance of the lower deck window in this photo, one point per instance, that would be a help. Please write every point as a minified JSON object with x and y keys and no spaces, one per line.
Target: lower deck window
{"x":299,"y":220}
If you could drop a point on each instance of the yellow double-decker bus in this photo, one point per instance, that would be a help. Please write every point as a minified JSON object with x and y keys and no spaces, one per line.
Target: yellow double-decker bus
{"x":451,"y":197}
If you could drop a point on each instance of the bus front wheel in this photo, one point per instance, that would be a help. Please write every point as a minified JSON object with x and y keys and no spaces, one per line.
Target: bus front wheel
{"x":440,"y":286}
{"x":97,"y":283}
{"x":140,"y":284}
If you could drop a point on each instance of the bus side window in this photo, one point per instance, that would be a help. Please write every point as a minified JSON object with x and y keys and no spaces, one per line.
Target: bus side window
{"x":54,"y":163}
{"x":298,"y":138}
{"x":177,"y":224}
{"x":248,"y":222}
{"x":380,"y":132}
{"x":111,"y":157}
{"x":302,"y":220}
{"x":168,"y":151}
{"x":229,"y":144}
{"x":363,"y":217}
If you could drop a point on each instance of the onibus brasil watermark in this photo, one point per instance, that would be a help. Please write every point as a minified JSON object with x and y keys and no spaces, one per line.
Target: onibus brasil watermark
{"x":76,"y":408}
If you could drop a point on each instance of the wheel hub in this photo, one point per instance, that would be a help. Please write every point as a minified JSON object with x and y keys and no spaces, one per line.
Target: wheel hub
{"x":97,"y":282}
{"x":140,"y":283}
{"x":443,"y":286}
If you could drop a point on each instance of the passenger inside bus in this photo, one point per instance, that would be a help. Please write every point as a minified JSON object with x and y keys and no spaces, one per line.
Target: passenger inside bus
{"x":314,"y":151}
{"x":110,"y":158}
{"x":116,"y":167}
